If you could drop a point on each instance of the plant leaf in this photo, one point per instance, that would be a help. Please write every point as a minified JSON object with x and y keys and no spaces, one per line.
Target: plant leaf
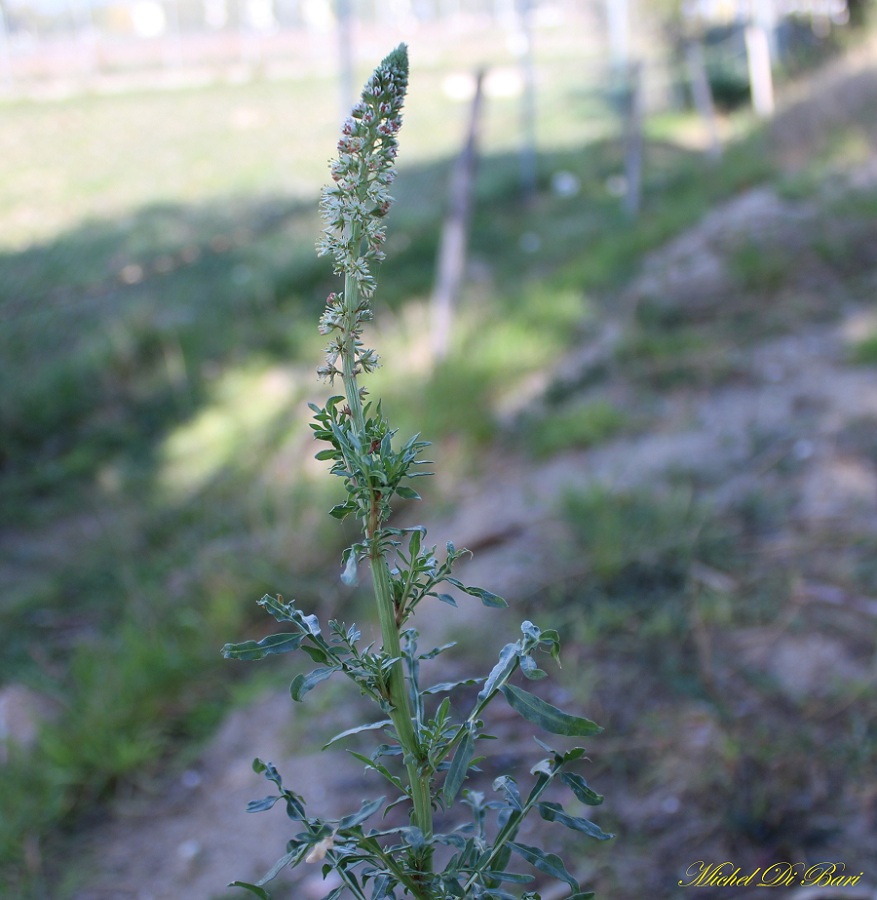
{"x":459,"y":767}
{"x":368,"y":809}
{"x":252,"y":888}
{"x":553,"y":812}
{"x":281,"y":863}
{"x":530,"y":630}
{"x":255,"y":806}
{"x":530,"y":669}
{"x":509,"y":786}
{"x":381,"y":769}
{"x":580,"y":788}
{"x":549,"y":863}
{"x":546,"y":716}
{"x":301,"y":684}
{"x":446,"y":686}
{"x":274,"y":643}
{"x":342,"y":510}
{"x":508,"y":658}
{"x":357,"y":730}
{"x":513,"y":877}
{"x":486,"y":597}
{"x":348,"y":573}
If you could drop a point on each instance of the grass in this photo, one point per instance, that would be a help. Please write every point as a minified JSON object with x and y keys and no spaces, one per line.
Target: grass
{"x":578,"y":427}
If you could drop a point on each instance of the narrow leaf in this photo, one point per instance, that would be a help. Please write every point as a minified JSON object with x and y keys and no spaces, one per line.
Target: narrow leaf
{"x":301,"y":684}
{"x":407,"y":493}
{"x":252,"y":888}
{"x":383,"y":770}
{"x":513,"y":877}
{"x":432,"y":654}
{"x":546,"y":716}
{"x":368,"y":809}
{"x":274,"y":643}
{"x":446,"y":686}
{"x":255,"y":806}
{"x":417,"y":535}
{"x":580,"y":788}
{"x":281,"y":863}
{"x":459,"y":767}
{"x":553,"y":812}
{"x":357,"y":730}
{"x":487,"y":597}
{"x":508,"y":658}
{"x":508,"y":785}
{"x":445,"y":598}
{"x":549,"y":863}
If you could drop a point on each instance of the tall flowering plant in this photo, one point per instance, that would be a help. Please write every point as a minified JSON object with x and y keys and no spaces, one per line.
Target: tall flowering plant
{"x":428,"y":752}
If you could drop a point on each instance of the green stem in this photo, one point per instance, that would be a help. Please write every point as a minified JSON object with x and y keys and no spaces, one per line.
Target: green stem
{"x":400,"y":713}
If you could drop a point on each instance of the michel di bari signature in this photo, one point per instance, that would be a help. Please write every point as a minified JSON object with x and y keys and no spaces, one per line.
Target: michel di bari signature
{"x":780,"y":874}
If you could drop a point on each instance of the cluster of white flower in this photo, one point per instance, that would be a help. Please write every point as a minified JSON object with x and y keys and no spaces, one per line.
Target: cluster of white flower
{"x":354,"y":206}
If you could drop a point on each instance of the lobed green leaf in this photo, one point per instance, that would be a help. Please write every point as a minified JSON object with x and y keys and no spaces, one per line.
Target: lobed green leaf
{"x":274,"y":643}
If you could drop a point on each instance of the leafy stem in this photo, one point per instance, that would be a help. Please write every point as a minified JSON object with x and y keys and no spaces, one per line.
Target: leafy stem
{"x":437,"y":749}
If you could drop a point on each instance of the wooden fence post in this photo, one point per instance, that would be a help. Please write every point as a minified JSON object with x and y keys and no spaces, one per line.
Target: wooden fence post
{"x":633,"y":139}
{"x":451,"y":263}
{"x":703,"y":98}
